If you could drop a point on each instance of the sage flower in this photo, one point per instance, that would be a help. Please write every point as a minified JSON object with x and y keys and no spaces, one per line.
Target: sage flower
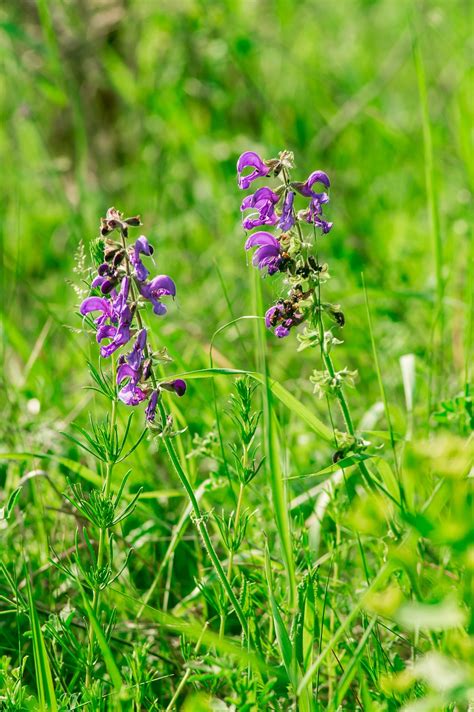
{"x":264,"y":201}
{"x":141,"y":246}
{"x":250,"y":159}
{"x":269,"y":251}
{"x":306,"y":188}
{"x":160,"y":286}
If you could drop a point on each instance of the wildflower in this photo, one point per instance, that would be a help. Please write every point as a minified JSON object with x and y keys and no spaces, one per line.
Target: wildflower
{"x":287,"y":220}
{"x":269,"y":251}
{"x":264,"y":201}
{"x":141,"y":246}
{"x":131,"y":393}
{"x":158,"y":287}
{"x":253,"y":160}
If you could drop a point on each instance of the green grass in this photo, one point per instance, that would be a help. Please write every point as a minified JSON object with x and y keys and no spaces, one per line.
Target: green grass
{"x":352,"y":587}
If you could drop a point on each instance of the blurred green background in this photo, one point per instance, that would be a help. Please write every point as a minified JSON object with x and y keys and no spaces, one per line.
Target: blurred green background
{"x":146,"y":105}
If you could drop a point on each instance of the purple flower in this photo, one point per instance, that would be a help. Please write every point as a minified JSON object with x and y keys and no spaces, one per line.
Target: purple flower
{"x":282,"y":318}
{"x":287,"y":220}
{"x":273,"y":314}
{"x":135,"y":357}
{"x":158,"y":287}
{"x":100,"y":304}
{"x":281,"y":331}
{"x":269,"y":251}
{"x":315,"y":211}
{"x":264,"y":201}
{"x":315,"y":177}
{"x":178,"y":386}
{"x":141,"y":246}
{"x":133,"y":369}
{"x":121,"y":315}
{"x":249,"y":159}
{"x":131,"y":393}
{"x":150,"y":411}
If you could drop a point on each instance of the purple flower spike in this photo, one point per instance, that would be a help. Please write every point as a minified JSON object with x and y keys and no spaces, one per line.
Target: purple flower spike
{"x":150,"y":411}
{"x":250,"y":159}
{"x":178,"y":386}
{"x":315,"y":177}
{"x":287,"y":220}
{"x":158,"y":287}
{"x":269,"y":251}
{"x":264,"y":201}
{"x":142,"y":246}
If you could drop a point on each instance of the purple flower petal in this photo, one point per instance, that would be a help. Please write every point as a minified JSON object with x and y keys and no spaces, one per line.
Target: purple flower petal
{"x":163,"y":285}
{"x":150,"y":411}
{"x":264,"y":253}
{"x":95,"y":304}
{"x":281,"y":331}
{"x":315,"y":177}
{"x":135,"y":357}
{"x":125,"y":371}
{"x":105,"y":331}
{"x":143,"y":246}
{"x":261,"y":238}
{"x":287,"y":220}
{"x":250,"y":159}
{"x":264,"y":201}
{"x":131,"y":394}
{"x":178,"y":386}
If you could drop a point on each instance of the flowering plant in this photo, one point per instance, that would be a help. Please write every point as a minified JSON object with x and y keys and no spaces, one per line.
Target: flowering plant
{"x":293,"y":252}
{"x":119,"y":311}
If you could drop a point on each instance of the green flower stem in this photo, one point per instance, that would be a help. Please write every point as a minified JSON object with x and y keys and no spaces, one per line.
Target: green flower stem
{"x":343,"y":404}
{"x":201,"y":525}
{"x":231,"y":551}
{"x":102,"y":540}
{"x":199,"y":520}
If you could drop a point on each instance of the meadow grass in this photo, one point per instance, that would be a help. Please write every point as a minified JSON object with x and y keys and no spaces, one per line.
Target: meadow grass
{"x":305,"y":583}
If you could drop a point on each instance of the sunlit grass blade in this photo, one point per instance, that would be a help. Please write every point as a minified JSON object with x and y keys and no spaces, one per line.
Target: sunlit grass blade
{"x":350,"y":668}
{"x":44,"y":679}
{"x":107,"y":654}
{"x":273,"y":453}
